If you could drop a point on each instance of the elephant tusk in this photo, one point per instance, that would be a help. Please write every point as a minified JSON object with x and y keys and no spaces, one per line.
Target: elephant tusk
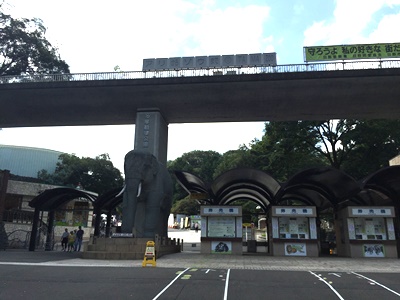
{"x":139,"y":189}
{"x":121,"y":192}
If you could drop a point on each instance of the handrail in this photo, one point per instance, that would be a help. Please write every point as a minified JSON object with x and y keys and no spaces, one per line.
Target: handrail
{"x":292,"y":68}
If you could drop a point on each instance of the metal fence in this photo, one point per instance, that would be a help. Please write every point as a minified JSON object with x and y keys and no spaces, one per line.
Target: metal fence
{"x":293,"y":68}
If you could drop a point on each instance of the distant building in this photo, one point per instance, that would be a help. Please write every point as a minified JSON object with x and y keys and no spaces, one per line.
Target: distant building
{"x":27,"y":161}
{"x":23,"y":164}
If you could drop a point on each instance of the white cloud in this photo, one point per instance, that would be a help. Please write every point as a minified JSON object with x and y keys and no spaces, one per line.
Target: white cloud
{"x":349,"y":24}
{"x":95,"y":36}
{"x":386,"y":30}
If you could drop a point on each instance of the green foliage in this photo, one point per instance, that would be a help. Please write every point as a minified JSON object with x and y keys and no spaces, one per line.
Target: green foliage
{"x":25,"y":50}
{"x":285,"y":149}
{"x":97,"y":175}
{"x":249,"y":210}
{"x":358,"y":147}
{"x":375,"y":143}
{"x":234,"y":159}
{"x":186,"y":207}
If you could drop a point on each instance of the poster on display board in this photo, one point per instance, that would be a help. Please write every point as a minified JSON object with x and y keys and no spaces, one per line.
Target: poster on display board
{"x":221,"y":247}
{"x":221,"y":227}
{"x":295,"y":249}
{"x":373,"y":250}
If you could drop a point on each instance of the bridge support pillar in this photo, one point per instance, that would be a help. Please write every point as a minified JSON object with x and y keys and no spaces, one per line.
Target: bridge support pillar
{"x":151,"y":133}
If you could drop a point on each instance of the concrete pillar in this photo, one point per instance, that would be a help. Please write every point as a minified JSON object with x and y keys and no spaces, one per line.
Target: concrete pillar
{"x":151,"y":133}
{"x":32,"y":242}
{"x":4,"y":177}
{"x":97,"y":220}
{"x":49,"y":236}
{"x":108,"y":226}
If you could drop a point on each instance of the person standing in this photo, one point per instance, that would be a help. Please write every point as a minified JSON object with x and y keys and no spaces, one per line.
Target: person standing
{"x":64,"y":240}
{"x":71,"y":241}
{"x":78,"y":239}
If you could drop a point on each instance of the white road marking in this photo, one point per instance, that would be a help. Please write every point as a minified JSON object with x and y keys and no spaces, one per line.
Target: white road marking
{"x":208,"y":270}
{"x":337,"y":275}
{"x":330,"y":286}
{"x":226,"y":284}
{"x":160,"y":293}
{"x":373,"y":281}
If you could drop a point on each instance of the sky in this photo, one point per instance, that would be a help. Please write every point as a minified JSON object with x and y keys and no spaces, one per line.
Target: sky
{"x":97,"y":35}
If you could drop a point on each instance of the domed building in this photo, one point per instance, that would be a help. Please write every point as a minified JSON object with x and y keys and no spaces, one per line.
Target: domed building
{"x":27,"y":161}
{"x":19,"y":167}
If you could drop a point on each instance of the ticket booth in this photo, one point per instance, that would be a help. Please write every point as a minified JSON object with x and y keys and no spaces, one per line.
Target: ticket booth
{"x":221,"y":230}
{"x":293,"y":231}
{"x":366,"y":232}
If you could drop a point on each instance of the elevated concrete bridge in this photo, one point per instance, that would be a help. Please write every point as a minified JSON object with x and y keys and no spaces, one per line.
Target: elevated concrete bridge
{"x":275,"y":95}
{"x":371,"y":93}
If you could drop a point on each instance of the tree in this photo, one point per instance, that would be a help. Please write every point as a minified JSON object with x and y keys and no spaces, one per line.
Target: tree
{"x":24,"y":48}
{"x":376,"y":142}
{"x":358,"y":147}
{"x":234,"y":159}
{"x":186,"y":206}
{"x":330,"y":139}
{"x":285,"y":149}
{"x":97,"y":175}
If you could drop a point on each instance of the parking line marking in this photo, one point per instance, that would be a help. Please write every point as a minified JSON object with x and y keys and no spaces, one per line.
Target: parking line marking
{"x":226,"y":284}
{"x":330,"y":286}
{"x":160,"y":293}
{"x":373,"y":281}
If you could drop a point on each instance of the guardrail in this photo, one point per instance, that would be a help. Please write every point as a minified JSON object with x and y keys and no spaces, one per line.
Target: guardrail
{"x":292,"y":68}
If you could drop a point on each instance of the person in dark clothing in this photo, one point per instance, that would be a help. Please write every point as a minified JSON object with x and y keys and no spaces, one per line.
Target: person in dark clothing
{"x":78,"y":239}
{"x":64,"y":240}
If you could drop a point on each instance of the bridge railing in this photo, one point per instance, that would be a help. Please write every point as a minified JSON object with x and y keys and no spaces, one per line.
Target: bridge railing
{"x":292,"y":68}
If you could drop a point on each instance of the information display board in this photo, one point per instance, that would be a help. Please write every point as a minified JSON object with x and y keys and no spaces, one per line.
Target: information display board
{"x":369,"y":229}
{"x":293,"y":228}
{"x":221,"y":227}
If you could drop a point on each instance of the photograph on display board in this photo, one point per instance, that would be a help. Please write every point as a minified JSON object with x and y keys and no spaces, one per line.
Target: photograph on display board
{"x":295,"y":249}
{"x":374,"y":250}
{"x":221,"y":247}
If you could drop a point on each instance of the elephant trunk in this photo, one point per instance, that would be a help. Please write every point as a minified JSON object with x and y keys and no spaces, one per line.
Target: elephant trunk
{"x":132,"y":191}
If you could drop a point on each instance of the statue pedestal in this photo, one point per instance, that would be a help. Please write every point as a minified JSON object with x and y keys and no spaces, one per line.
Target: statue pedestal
{"x":127,"y":248}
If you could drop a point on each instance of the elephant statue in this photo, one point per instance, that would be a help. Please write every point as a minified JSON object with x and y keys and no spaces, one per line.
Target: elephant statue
{"x":147,"y":195}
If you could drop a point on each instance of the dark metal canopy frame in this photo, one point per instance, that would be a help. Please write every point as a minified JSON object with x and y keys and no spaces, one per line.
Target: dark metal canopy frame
{"x":49,"y":201}
{"x":323,"y":187}
{"x":106,"y":203}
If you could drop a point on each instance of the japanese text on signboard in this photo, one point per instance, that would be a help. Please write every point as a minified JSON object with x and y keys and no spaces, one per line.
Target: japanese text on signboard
{"x":349,"y":52}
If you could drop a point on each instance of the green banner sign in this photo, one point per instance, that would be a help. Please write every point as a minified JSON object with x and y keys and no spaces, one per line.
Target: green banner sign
{"x":350,"y":52}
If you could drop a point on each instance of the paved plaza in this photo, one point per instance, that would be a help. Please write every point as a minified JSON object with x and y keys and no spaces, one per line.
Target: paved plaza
{"x":190,"y":257}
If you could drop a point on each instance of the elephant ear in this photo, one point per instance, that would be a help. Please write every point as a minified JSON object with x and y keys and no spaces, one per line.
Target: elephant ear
{"x":152,"y":161}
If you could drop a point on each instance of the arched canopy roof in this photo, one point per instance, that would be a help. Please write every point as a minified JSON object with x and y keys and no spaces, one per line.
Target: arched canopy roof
{"x":51,"y":199}
{"x":108,"y":201}
{"x":191,"y":183}
{"x":386,"y":183}
{"x":252,"y":184}
{"x":236,"y":184}
{"x":323,"y":187}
